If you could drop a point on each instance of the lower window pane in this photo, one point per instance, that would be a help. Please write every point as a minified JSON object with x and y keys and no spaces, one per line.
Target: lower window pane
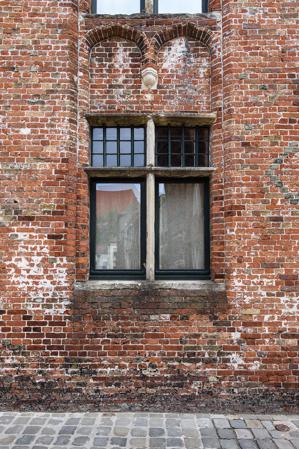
{"x":117,"y":226}
{"x":181,"y":226}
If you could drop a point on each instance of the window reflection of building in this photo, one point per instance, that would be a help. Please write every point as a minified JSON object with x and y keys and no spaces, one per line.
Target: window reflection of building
{"x":118,"y":227}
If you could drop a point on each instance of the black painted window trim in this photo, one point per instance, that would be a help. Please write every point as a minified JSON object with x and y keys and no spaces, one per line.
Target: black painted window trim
{"x":117,"y":274}
{"x":184,"y":274}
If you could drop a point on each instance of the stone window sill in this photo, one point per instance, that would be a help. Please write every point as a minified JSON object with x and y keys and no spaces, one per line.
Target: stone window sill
{"x":203,"y":286}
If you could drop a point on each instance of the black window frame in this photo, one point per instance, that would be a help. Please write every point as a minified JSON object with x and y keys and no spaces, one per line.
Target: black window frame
{"x":204,"y":8}
{"x":183,"y":140}
{"x":203,"y":274}
{"x":117,"y":274}
{"x":117,"y":140}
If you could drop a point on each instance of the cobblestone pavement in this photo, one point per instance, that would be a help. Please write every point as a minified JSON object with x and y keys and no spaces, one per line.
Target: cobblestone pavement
{"x":30,"y":430}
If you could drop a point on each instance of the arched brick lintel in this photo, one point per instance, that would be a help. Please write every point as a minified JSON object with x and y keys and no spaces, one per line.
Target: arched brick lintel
{"x":99,"y":34}
{"x":189,"y":30}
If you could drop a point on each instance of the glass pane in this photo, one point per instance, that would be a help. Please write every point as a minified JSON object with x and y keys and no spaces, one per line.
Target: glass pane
{"x":176,"y":147}
{"x":111,"y":133}
{"x":118,"y":7}
{"x":125,"y":161}
{"x":111,"y":161}
{"x":125,"y":133}
{"x":97,"y":147}
{"x":189,"y":160}
{"x":97,"y":160}
{"x":189,"y":133}
{"x":175,"y":160}
{"x":181,"y":229}
{"x":117,"y":226}
{"x":162,"y":160}
{"x":139,"y":133}
{"x":176,"y":133}
{"x":138,"y":160}
{"x":139,"y":147}
{"x":162,"y":147}
{"x":162,"y":132}
{"x":97,"y":134}
{"x":189,"y":147}
{"x":111,"y":147}
{"x":125,"y":147}
{"x":177,"y":6}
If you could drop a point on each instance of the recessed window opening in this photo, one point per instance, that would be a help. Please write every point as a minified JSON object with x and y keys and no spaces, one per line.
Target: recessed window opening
{"x":150,"y":206}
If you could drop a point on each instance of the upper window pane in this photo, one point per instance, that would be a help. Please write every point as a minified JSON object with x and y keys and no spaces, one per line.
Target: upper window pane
{"x":179,"y":7}
{"x":118,"y":7}
{"x":118,"y":146}
{"x":182,"y":146}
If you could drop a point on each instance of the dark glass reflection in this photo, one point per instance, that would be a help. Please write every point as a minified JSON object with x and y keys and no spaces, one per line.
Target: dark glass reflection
{"x":117,"y":226}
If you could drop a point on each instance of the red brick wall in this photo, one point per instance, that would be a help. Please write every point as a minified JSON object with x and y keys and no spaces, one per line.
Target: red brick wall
{"x":61,"y":343}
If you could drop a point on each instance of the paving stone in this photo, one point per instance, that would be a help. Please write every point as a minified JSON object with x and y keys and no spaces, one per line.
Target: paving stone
{"x":80,"y":441}
{"x":67,"y":430}
{"x":174,"y":442}
{"x":21,"y":420}
{"x":192,"y":443}
{"x":238,"y":423}
{"x":247,"y":444}
{"x":6,"y":419}
{"x":229,"y":444}
{"x":283,"y":444}
{"x":25,"y":439}
{"x":294,"y":421}
{"x":205,"y":422}
{"x":294,"y":434}
{"x":268,"y":425}
{"x":226,"y":434}
{"x":121,"y":431}
{"x":47,"y":440}
{"x":210,"y":443}
{"x":244,"y":434}
{"x":156,"y":432}
{"x":100,"y":441}
{"x":84,"y":430}
{"x":261,"y":434}
{"x":38,"y":421}
{"x":173,"y":422}
{"x":7,"y":439}
{"x":88,"y":421}
{"x":48,"y":431}
{"x":221,"y":423}
{"x":157,"y":442}
{"x":14,"y":429}
{"x":141,"y":422}
{"x":139,"y":443}
{"x":139,"y":432}
{"x":118,"y":441}
{"x":211,"y":433}
{"x":253,"y":423}
{"x":103,"y":431}
{"x":192,"y":433}
{"x":266,"y":444}
{"x":63,"y":440}
{"x":174,"y":432}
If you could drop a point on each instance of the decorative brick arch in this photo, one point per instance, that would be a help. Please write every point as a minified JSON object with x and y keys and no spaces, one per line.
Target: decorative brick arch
{"x":99,"y":34}
{"x":188,"y":30}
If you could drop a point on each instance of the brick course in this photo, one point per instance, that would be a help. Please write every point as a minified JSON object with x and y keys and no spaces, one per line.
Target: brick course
{"x":63,"y":342}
